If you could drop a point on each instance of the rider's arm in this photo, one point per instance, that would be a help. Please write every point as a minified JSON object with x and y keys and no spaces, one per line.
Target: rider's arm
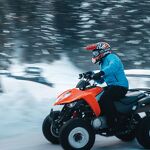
{"x":113,"y":65}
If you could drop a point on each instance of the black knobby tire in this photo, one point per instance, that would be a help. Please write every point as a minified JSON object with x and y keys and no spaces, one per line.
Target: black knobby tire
{"x":81,"y":127}
{"x":46,"y":128}
{"x":143,"y":132}
{"x":130,"y":136}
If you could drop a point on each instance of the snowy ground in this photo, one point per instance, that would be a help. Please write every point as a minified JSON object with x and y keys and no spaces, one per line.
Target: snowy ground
{"x":36,"y":141}
{"x":24,"y":105}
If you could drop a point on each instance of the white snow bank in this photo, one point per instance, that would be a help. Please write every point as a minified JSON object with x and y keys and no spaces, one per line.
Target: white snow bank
{"x":24,"y":104}
{"x":138,"y":78}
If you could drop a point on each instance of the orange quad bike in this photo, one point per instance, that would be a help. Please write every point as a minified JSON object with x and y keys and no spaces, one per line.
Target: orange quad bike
{"x":76,"y":117}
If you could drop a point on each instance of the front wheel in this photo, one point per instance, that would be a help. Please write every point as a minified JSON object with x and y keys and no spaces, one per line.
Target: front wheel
{"x":76,"y":134}
{"x":46,"y":128}
{"x":143,"y":132}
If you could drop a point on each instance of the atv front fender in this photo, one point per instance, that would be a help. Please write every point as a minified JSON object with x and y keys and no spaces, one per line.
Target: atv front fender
{"x":92,"y":102}
{"x":76,"y":94}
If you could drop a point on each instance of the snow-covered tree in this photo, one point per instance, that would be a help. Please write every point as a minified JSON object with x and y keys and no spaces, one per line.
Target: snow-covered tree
{"x":5,"y":61}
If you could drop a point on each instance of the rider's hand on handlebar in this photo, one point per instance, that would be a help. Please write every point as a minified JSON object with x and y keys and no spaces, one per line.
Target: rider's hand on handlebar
{"x":98,"y":75}
{"x":90,"y":75}
{"x":86,"y":75}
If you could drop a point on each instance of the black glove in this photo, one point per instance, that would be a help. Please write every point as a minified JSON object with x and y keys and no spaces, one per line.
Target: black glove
{"x":86,"y":75}
{"x":97,"y":76}
{"x":80,"y":76}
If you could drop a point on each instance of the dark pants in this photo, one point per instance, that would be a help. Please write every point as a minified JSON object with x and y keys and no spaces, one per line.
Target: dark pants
{"x":111,"y":94}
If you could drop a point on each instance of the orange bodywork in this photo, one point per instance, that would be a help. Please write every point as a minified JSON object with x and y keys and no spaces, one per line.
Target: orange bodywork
{"x":76,"y":94}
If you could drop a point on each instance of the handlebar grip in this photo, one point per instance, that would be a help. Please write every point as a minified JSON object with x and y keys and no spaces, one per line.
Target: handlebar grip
{"x":80,"y":76}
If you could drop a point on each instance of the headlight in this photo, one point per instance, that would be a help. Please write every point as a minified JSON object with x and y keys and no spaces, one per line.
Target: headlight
{"x":58,"y":107}
{"x":70,"y":105}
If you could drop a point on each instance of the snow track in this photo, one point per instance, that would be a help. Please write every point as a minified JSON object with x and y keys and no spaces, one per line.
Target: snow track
{"x":24,"y":105}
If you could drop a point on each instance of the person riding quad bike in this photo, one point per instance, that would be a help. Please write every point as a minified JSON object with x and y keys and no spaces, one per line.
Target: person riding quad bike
{"x":112,"y":72}
{"x":93,"y":108}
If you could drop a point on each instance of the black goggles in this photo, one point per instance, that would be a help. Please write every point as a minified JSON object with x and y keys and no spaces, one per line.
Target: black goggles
{"x":95,"y":53}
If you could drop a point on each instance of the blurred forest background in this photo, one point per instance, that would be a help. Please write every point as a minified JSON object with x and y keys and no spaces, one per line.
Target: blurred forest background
{"x":42,"y":30}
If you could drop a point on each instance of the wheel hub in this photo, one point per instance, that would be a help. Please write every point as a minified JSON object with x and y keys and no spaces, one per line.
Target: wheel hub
{"x":78,"y":137}
{"x":54,"y":129}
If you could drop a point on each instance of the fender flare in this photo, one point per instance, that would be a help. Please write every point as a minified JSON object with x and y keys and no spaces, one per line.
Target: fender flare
{"x":92,"y":102}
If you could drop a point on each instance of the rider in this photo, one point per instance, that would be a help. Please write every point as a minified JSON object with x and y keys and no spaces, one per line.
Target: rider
{"x":112,"y":71}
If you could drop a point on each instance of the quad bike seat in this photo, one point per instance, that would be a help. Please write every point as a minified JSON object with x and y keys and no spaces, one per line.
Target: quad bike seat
{"x":126,"y":104}
{"x":132,"y":97}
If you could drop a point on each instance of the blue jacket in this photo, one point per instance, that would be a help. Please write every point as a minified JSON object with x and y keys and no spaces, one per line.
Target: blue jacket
{"x":113,"y":68}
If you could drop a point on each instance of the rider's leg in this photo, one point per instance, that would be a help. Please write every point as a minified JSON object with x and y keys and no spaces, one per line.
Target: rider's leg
{"x":111,"y":94}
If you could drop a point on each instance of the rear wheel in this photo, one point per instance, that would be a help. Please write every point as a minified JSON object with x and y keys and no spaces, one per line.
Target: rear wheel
{"x":143,"y":132}
{"x":47,"y":130}
{"x":76,"y":134}
{"x":130,"y":136}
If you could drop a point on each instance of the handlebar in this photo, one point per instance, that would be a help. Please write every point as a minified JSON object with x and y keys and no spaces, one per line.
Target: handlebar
{"x":92,"y":76}
{"x":86,"y":76}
